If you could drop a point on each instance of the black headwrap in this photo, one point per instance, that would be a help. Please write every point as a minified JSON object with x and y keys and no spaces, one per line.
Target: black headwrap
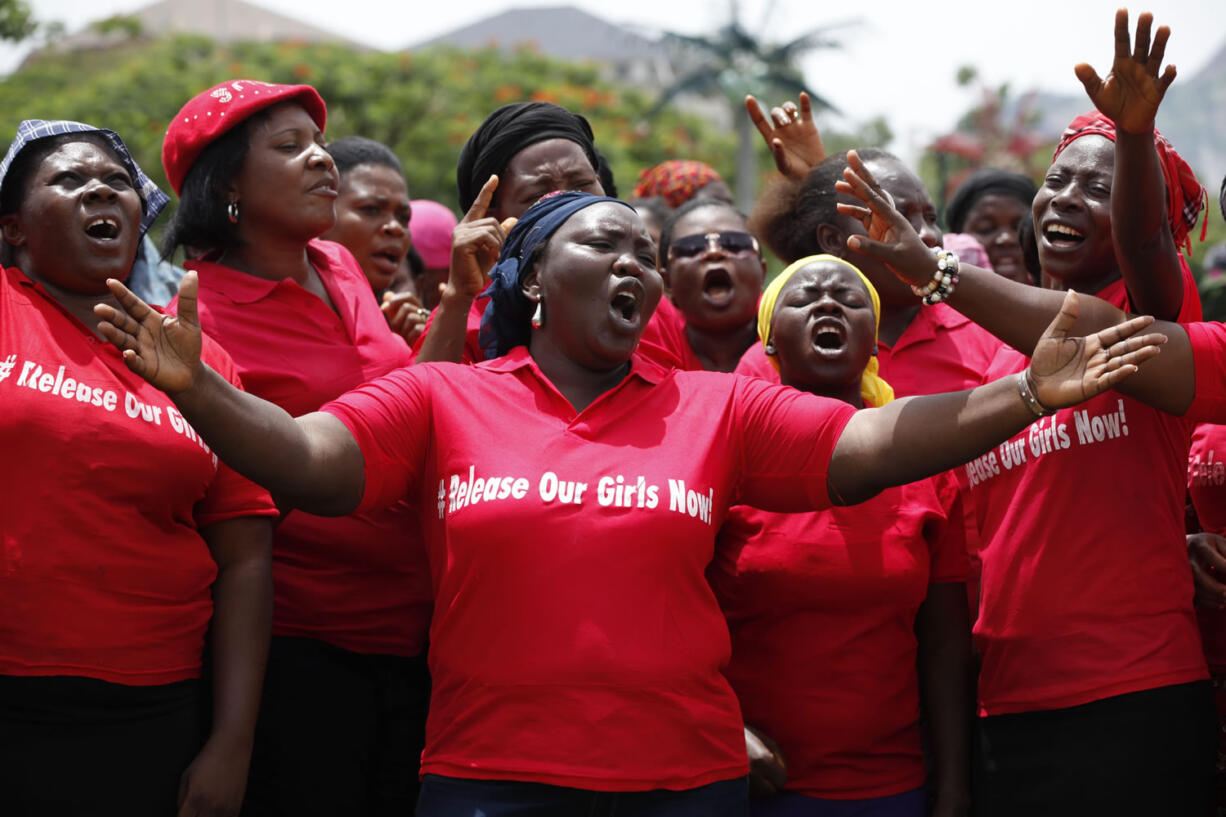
{"x":509,"y":130}
{"x":983,"y":183}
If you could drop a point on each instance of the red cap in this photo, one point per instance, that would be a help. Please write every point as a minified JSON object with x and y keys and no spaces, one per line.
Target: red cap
{"x":211,"y":113}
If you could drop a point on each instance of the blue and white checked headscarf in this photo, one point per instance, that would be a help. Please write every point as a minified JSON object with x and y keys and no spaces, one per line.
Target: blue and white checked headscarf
{"x":506,"y":320}
{"x":153,"y":200}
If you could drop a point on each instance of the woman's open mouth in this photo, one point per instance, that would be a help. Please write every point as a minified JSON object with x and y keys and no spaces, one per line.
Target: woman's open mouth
{"x":102,"y":228}
{"x":830,"y":338}
{"x":717,"y":289}
{"x":1062,"y":236}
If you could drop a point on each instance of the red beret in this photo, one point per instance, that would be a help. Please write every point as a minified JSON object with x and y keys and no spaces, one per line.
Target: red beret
{"x":211,"y":113}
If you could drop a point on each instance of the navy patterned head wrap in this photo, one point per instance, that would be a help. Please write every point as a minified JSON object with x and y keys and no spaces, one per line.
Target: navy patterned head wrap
{"x":152,"y":200}
{"x":505,"y":323}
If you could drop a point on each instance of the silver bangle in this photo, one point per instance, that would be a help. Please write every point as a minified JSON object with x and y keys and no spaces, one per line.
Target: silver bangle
{"x":1029,"y":397}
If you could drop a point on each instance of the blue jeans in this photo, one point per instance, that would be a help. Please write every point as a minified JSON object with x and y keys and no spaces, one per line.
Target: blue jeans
{"x":459,"y":797}
{"x":912,"y":803}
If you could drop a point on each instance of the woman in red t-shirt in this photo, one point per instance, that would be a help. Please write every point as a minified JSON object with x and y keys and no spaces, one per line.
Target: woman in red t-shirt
{"x":570,"y":492}
{"x":841,"y":618}
{"x":345,"y":697}
{"x":1092,"y":690}
{"x":123,"y":540}
{"x":713,"y":271}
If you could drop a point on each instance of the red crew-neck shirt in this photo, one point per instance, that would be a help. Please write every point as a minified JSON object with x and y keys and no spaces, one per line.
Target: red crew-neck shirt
{"x":1207,"y":490}
{"x":359,"y":582}
{"x":1209,"y":359}
{"x":821,"y":607}
{"x":663,"y":340}
{"x":103,"y":571}
{"x":1086,"y":588}
{"x":940,"y":351}
{"x":575,"y":640}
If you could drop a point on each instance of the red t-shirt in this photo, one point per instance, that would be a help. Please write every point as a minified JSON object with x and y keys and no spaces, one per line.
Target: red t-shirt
{"x":941,"y":350}
{"x":663,"y":340}
{"x":1207,"y":490}
{"x":103,"y":571}
{"x":575,"y":639}
{"x":821,"y":607}
{"x":1086,"y":588}
{"x":1209,"y":359}
{"x":359,"y":582}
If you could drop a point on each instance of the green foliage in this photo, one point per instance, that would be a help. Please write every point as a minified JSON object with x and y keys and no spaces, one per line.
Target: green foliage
{"x":16,"y":21}
{"x":875,"y":133}
{"x":125,"y":24}
{"x":423,"y":105}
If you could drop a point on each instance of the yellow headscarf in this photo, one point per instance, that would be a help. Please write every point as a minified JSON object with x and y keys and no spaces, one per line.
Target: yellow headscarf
{"x":874,"y":390}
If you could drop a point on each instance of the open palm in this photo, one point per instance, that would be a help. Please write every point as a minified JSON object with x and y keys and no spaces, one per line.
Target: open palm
{"x":163,"y":349}
{"x":1066,"y":370}
{"x":1133,"y":90}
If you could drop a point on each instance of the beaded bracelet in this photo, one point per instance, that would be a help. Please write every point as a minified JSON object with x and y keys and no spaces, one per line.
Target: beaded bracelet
{"x":1029,"y":397}
{"x":943,"y":282}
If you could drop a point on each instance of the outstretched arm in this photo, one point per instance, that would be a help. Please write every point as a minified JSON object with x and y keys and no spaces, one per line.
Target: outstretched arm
{"x":1130,"y":96}
{"x":916,"y":437}
{"x":1015,"y":313}
{"x":312,"y":462}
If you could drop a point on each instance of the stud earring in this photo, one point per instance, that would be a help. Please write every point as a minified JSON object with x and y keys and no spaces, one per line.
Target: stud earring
{"x":232,"y":212}
{"x":538,"y":315}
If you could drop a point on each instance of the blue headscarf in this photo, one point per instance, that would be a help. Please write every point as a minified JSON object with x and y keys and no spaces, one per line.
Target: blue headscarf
{"x":505,"y":323}
{"x":152,"y":200}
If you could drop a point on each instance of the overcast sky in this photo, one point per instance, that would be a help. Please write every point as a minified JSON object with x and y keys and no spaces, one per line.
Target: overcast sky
{"x":899,"y":61}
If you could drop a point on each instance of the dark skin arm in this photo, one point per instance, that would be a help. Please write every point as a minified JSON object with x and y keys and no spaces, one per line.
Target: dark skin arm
{"x":314,"y":463}
{"x":942,"y":628}
{"x":311,"y":462}
{"x":475,"y":245}
{"x":213,"y":785}
{"x":916,"y":437}
{"x":1130,"y":96}
{"x":1014,"y":312}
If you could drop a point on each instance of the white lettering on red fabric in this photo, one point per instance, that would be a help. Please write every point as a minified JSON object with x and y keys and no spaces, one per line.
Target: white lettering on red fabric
{"x":40,"y":379}
{"x":461,"y":490}
{"x":1048,"y":436}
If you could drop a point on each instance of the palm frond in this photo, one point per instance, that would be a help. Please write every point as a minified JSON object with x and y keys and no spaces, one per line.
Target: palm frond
{"x":791,"y":85}
{"x":700,"y":81}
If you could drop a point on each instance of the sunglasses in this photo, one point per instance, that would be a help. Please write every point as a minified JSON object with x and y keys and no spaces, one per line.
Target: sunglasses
{"x":733,"y":242}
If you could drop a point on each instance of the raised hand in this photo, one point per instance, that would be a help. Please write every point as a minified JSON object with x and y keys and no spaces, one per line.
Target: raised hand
{"x":1133,"y":90}
{"x":1065,"y":370}
{"x":163,"y":349}
{"x":475,"y":245}
{"x":791,"y":134}
{"x":891,"y":238}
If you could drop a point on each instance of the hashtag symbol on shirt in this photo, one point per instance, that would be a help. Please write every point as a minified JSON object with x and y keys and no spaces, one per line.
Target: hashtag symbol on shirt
{"x":6,"y":368}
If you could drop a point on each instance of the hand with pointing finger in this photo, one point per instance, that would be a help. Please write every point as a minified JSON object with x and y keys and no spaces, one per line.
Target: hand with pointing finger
{"x":475,"y":245}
